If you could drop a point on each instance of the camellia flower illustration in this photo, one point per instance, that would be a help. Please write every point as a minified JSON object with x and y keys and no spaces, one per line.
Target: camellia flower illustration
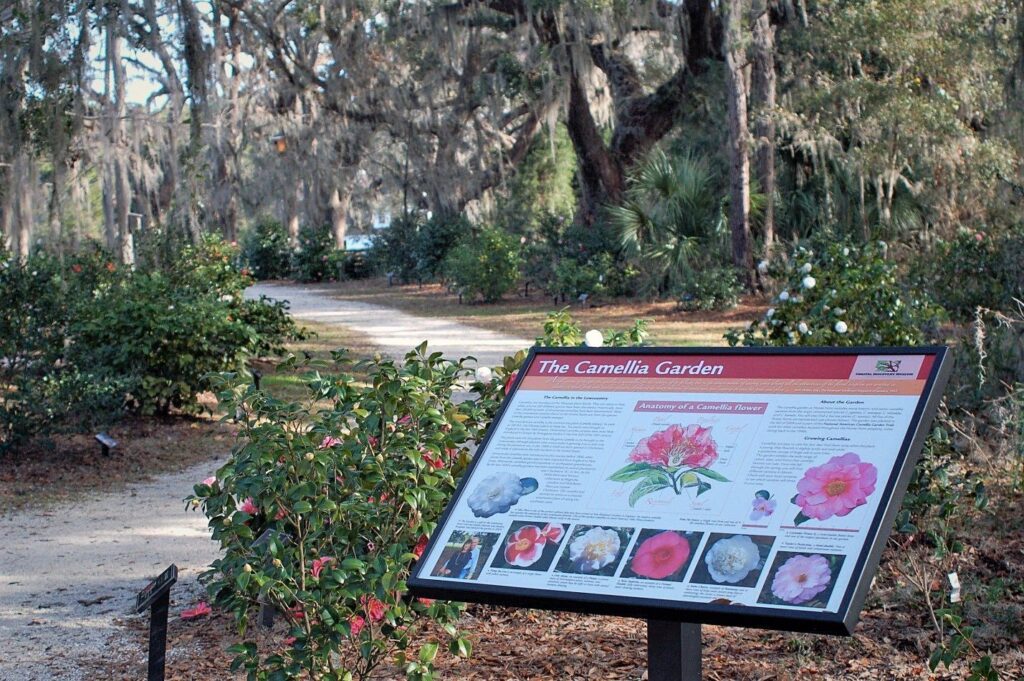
{"x":834,"y":488}
{"x":673,"y":458}
{"x":801,"y":578}
{"x":763,"y":505}
{"x":677,"y":446}
{"x":594,"y":549}
{"x":661,"y":556}
{"x":730,"y":560}
{"x":525,"y":546}
{"x":498,"y":493}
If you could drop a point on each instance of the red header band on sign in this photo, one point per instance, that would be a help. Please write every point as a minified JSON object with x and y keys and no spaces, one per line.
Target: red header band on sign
{"x":694,"y":366}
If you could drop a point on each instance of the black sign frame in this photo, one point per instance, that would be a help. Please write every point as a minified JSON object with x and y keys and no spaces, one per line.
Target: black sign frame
{"x":840,"y":623}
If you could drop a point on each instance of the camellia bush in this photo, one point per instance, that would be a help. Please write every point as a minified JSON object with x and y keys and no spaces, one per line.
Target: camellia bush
{"x":326,"y":504}
{"x":344,"y":490}
{"x":845,"y":295}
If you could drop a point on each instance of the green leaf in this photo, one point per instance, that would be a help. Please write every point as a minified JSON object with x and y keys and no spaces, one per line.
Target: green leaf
{"x":302,"y":507}
{"x":633,"y":471}
{"x":708,"y":473}
{"x":800,"y":518}
{"x":428,"y":652}
{"x":645,"y":488}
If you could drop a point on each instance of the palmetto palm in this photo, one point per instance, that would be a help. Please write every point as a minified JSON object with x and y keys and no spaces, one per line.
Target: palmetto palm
{"x":671,"y":215}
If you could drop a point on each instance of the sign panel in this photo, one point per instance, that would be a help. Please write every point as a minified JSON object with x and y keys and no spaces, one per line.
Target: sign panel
{"x":747,"y":487}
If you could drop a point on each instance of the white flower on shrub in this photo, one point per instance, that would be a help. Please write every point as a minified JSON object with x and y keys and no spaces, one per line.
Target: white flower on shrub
{"x":770,"y":313}
{"x":809,"y":281}
{"x":802,"y":327}
{"x":495,"y":494}
{"x":806,"y":269}
{"x":784,"y":296}
{"x":846,"y":251}
{"x":762,"y":267}
{"x":841,"y":327}
{"x":593,"y":339}
{"x":484,"y":374}
{"x":840,"y":310}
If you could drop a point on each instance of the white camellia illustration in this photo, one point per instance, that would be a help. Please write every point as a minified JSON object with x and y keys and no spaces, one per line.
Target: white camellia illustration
{"x":730,"y":560}
{"x":498,"y":493}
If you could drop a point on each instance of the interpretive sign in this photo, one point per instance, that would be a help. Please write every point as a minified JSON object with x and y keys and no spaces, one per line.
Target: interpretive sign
{"x":751,"y":487}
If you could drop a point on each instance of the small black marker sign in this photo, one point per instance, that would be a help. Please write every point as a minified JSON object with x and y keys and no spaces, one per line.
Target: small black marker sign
{"x":157,"y":596}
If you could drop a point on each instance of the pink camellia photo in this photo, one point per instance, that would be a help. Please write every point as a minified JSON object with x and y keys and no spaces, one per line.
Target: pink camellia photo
{"x":803,"y":579}
{"x":675,"y":458}
{"x":530,"y":545}
{"x":835,"y":488}
{"x":662,"y":554}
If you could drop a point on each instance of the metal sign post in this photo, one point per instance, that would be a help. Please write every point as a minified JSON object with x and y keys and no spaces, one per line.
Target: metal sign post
{"x":157,"y":597}
{"x":673,"y":651}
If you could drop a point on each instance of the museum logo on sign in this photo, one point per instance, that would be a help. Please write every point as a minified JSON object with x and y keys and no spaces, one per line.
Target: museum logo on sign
{"x":905,"y":367}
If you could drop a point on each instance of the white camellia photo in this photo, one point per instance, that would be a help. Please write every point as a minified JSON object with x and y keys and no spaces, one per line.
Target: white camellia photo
{"x":731,"y":559}
{"x":498,"y":493}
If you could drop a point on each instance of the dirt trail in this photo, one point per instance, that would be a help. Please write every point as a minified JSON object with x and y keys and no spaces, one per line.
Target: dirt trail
{"x":68,"y":572}
{"x":396,"y":332}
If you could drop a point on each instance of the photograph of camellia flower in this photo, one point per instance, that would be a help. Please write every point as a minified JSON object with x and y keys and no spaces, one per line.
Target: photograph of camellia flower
{"x":594,"y":550}
{"x":529,"y":545}
{"x":498,"y":493}
{"x":801,"y":579}
{"x":732,"y":560}
{"x":465,"y":554}
{"x":835,"y":488}
{"x":662,"y":555}
{"x":676,"y":458}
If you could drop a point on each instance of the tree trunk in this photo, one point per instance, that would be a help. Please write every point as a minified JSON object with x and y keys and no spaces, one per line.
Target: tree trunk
{"x":25,"y":182}
{"x":763,"y":95}
{"x":739,"y":142}
{"x":291,"y":216}
{"x":339,"y":216}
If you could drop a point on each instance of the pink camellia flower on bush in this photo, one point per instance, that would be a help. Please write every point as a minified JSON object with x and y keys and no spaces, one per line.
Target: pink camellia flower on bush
{"x":201,"y":609}
{"x":281,"y":514}
{"x":329,"y":441}
{"x":249,"y":506}
{"x":210,"y":481}
{"x":420,"y":546}
{"x":510,"y":380}
{"x":375,"y":609}
{"x":434,"y":462}
{"x":801,"y":578}
{"x":525,"y":546}
{"x":677,"y":446}
{"x":319,"y":564}
{"x":661,"y":556}
{"x":834,"y":488}
{"x":356,"y":624}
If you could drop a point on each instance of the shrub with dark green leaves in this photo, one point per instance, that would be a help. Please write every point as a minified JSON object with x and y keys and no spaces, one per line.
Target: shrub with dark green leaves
{"x":315,"y":258}
{"x":265,"y":250}
{"x":714,"y":288}
{"x":843,"y":295}
{"x":485,"y":266}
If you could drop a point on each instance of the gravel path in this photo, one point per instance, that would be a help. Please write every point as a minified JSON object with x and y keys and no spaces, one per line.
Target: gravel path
{"x":66,"y":573}
{"x":394,"y":331}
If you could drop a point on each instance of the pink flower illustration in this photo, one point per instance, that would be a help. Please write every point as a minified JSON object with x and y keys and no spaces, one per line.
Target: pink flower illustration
{"x":762,"y":508}
{"x":525,"y":546}
{"x":319,"y":564}
{"x":202,"y":608}
{"x":356,"y":624}
{"x":249,"y":506}
{"x":835,"y":488}
{"x":661,"y":556}
{"x":677,"y":446}
{"x":329,"y":441}
{"x":801,"y":578}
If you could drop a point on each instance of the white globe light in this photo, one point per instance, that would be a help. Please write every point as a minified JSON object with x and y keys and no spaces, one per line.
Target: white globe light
{"x":593,"y":339}
{"x":484,"y":374}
